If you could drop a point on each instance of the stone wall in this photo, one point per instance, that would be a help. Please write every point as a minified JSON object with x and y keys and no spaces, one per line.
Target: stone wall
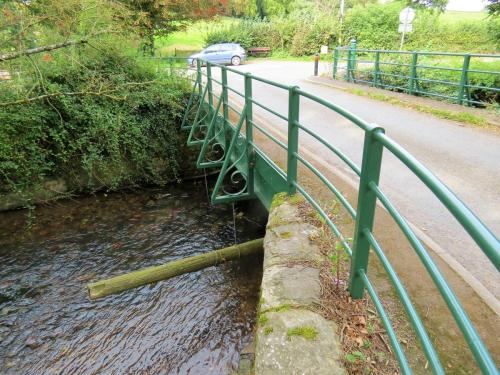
{"x":291,"y":338}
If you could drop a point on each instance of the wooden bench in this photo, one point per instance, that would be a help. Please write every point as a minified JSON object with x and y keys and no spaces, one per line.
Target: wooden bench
{"x":259,"y":51}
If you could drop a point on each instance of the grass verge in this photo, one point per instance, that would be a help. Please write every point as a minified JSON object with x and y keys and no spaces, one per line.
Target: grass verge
{"x":462,"y":117}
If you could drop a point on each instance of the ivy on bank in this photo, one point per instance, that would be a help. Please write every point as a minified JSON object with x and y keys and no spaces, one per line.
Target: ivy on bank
{"x":104,"y":119}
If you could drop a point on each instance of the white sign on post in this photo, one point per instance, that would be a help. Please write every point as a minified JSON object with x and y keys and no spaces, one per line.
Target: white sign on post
{"x":405,"y":27}
{"x":406,"y":17}
{"x":324,"y":50}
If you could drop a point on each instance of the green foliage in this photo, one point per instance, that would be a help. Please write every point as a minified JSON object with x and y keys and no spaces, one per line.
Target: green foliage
{"x":309,"y":37}
{"x":354,"y":357}
{"x":247,"y":32}
{"x":98,"y":117}
{"x":300,"y":37}
{"x":374,"y":26}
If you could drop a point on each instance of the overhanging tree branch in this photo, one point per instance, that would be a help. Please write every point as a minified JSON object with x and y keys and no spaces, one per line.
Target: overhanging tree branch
{"x":50,"y":47}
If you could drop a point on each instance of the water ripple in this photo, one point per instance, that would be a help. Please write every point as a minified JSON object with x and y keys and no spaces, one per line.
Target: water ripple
{"x":193,"y":324}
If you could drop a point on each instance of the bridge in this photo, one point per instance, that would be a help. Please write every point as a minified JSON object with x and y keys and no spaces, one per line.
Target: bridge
{"x":226,"y":136}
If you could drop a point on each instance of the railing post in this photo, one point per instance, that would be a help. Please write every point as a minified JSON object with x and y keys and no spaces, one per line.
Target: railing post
{"x":209,"y":87}
{"x":351,"y":63}
{"x":370,"y":171}
{"x":464,"y":80}
{"x":376,"y":73}
{"x":335,"y":62}
{"x":225,"y":102}
{"x":199,"y":77}
{"x":293,"y":139}
{"x":413,"y":73}
{"x":249,"y":131}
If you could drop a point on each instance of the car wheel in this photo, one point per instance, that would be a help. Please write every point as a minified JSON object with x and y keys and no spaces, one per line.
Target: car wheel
{"x":236,"y":60}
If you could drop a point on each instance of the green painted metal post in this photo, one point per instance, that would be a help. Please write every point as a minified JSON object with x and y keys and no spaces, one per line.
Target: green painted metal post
{"x":351,"y":66}
{"x":209,"y":87}
{"x":199,"y":77}
{"x":293,"y":139}
{"x":376,"y":73}
{"x":413,"y":73}
{"x":348,"y":66}
{"x":335,"y":62}
{"x":225,"y":103}
{"x":464,"y":80}
{"x":370,"y":171}
{"x":249,"y":131}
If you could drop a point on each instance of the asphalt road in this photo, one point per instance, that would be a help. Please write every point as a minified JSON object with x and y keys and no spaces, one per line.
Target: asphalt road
{"x":466,"y":159}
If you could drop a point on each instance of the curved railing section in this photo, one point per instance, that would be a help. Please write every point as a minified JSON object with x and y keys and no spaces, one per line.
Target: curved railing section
{"x":369,"y":194}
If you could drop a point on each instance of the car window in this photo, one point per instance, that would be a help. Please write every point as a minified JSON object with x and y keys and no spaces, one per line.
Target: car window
{"x":226,"y":47}
{"x":211,"y":49}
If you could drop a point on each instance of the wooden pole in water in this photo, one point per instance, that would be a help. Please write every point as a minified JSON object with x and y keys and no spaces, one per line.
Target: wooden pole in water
{"x":178,"y":267}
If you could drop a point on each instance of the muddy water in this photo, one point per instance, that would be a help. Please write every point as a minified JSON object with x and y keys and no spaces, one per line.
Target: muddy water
{"x":193,"y":324}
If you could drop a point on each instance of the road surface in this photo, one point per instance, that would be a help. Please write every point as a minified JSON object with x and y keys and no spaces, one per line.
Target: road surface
{"x":466,"y":159}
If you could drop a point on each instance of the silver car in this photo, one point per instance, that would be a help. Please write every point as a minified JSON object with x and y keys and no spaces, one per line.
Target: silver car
{"x":223,"y":53}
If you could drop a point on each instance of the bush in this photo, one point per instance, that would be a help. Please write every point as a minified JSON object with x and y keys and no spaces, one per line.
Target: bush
{"x":248,"y":33}
{"x":119,"y":127}
{"x":309,"y":37}
{"x":298,"y":37}
{"x":374,"y":26}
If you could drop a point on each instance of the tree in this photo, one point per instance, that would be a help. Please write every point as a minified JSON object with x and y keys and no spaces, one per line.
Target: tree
{"x":261,"y":11}
{"x":153,"y":18}
{"x":493,"y":7}
{"x":440,"y":5}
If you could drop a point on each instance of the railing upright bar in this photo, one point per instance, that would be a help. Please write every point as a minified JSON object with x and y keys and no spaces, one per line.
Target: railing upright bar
{"x":413,"y":73}
{"x":225,"y":103}
{"x":199,"y":76}
{"x":464,"y":79}
{"x":209,"y":85}
{"x":293,"y":139}
{"x":370,"y":171}
{"x":376,"y":75}
{"x":335,"y":62}
{"x":249,"y":131}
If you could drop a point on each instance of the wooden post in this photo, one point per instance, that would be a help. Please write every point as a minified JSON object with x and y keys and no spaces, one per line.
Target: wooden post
{"x":178,"y":267}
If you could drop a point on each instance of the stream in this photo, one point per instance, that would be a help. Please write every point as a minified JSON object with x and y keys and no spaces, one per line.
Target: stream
{"x":197,"y":323}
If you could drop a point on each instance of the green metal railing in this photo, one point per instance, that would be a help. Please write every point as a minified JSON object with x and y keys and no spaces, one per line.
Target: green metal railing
{"x":260,"y":177}
{"x":468,"y":79}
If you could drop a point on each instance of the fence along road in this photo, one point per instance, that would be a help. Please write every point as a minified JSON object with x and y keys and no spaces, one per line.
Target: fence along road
{"x":464,"y":158}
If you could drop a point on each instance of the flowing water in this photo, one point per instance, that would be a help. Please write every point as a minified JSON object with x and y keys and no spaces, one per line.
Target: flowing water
{"x":192,"y":324}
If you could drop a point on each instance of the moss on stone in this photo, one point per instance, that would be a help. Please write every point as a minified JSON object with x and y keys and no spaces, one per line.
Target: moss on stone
{"x":286,"y":235}
{"x":276,"y":221}
{"x":263,"y":319}
{"x":283,"y":197}
{"x":280,"y":308}
{"x":278,"y":199}
{"x":307,"y":332}
{"x":268,"y":330}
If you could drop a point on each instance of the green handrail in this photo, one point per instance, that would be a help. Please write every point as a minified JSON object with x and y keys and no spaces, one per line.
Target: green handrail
{"x":369,"y":193}
{"x":459,"y":89}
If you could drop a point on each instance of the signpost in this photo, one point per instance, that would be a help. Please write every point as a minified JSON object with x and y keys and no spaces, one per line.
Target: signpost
{"x":406,"y":17}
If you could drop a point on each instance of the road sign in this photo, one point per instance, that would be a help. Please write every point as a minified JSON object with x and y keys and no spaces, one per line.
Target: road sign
{"x":406,"y":17}
{"x":405,"y":27}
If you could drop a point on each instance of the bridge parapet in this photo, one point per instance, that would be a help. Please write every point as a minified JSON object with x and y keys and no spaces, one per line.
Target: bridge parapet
{"x":291,"y":338}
